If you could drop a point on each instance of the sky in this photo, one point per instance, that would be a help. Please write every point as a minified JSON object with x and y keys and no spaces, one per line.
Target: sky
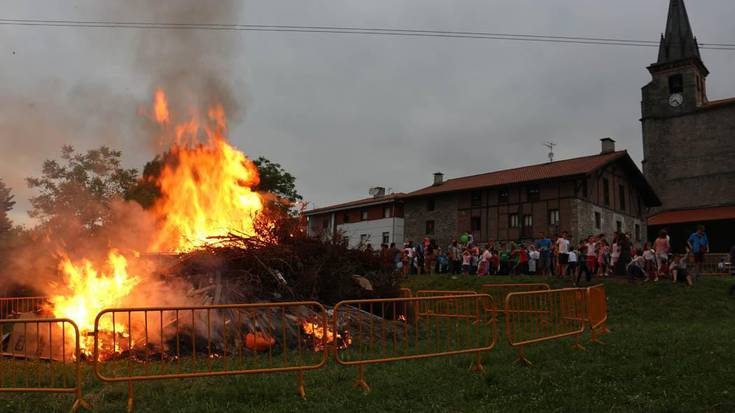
{"x":342,"y":113}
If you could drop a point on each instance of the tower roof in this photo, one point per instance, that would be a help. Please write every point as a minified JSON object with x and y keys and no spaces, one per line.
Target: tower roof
{"x":678,"y":42}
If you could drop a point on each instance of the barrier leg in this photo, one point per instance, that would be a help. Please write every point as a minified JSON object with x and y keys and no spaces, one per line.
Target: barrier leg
{"x":78,"y":400}
{"x":360,"y":383}
{"x":300,"y":387}
{"x":522,"y":360}
{"x":477,"y":364}
{"x":130,"y":397}
{"x":595,"y":338}
{"x":577,"y":345}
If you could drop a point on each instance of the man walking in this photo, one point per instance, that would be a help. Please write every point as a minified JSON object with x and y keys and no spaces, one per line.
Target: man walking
{"x":698,"y":245}
{"x":543,"y":245}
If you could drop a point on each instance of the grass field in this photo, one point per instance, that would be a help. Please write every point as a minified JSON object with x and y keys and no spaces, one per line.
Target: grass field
{"x":670,"y":349}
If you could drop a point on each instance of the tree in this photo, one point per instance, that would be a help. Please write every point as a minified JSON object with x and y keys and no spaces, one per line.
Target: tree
{"x":6,"y":204}
{"x":82,"y":186}
{"x":275,"y":180}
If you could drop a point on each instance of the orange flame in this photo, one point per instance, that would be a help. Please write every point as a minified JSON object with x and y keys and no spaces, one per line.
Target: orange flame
{"x":92,"y":290}
{"x":160,"y":107}
{"x":207,"y":190}
{"x":326,"y":336}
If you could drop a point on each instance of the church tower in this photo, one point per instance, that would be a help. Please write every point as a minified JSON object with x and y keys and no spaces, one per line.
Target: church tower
{"x":688,"y":140}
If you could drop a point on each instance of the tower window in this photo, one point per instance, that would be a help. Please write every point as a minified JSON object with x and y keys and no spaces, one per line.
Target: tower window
{"x":676,"y":84}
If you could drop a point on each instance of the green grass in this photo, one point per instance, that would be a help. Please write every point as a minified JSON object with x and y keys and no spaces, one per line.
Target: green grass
{"x":670,"y":349}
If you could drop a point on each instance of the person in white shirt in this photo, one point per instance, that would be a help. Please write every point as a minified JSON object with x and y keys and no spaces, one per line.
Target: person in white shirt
{"x":562,"y":246}
{"x":572,"y":263}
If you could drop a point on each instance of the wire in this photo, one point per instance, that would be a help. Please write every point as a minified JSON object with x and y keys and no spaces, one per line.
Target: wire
{"x":352,"y":30}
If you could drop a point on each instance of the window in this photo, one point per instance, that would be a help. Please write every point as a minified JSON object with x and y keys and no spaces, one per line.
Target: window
{"x":528,"y":221}
{"x":676,"y":84}
{"x":347,"y":240}
{"x":364,"y":238}
{"x":598,"y":220}
{"x":430,"y":204}
{"x":553,"y":217}
{"x":503,"y":196}
{"x":430,"y":227}
{"x":325,"y":223}
{"x":637,"y":232}
{"x":475,"y":199}
{"x":606,"y":191}
{"x":533,"y":193}
{"x":585,"y":193}
{"x":513,"y":221}
{"x":475,"y":223}
{"x":621,"y":190}
{"x":363,"y":215}
{"x":386,"y":238}
{"x":346,"y":218}
{"x":619,"y":226}
{"x":386,"y":212}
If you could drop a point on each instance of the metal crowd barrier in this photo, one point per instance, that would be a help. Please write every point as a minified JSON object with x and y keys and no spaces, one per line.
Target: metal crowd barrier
{"x":41,"y":355}
{"x":383,"y":331}
{"x":597,"y":311}
{"x":445,"y":309}
{"x":214,"y":340}
{"x":11,"y":307}
{"x":537,"y":316}
{"x":500,"y":291}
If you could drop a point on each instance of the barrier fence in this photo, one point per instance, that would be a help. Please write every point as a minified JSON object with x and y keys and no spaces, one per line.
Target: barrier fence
{"x":214,"y":340}
{"x":537,"y":316}
{"x":41,"y":355}
{"x":383,"y":331}
{"x":444,"y":308}
{"x":596,"y":311}
{"x":500,"y":291}
{"x":12,"y":307}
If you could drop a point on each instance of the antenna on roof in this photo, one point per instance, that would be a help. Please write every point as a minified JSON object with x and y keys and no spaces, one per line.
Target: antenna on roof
{"x":550,"y":145}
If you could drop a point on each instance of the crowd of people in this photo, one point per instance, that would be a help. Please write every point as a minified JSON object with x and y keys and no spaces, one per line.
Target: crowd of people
{"x":560,"y":256}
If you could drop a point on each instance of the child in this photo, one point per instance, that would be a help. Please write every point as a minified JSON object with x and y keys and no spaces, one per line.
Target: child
{"x":572,"y":264}
{"x":649,"y":255}
{"x":636,"y":267}
{"x":466,"y":262}
{"x":603,"y":258}
{"x":662,"y":247}
{"x":533,"y":259}
{"x":679,"y":270}
{"x":484,"y":266}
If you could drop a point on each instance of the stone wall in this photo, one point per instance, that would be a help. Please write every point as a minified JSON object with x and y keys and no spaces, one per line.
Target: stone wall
{"x":583,"y":222}
{"x":444,"y":216}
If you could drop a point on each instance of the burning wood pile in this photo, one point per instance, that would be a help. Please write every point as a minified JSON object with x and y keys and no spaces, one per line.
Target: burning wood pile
{"x":216,"y":240}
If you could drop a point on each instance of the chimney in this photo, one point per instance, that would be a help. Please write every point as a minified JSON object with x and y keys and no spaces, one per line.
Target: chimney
{"x":377,"y":192}
{"x":438,"y":178}
{"x":608,"y":145}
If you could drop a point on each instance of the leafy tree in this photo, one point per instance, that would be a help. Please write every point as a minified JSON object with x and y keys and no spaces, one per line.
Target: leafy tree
{"x":81,"y":186}
{"x":275,"y":180}
{"x":6,"y":204}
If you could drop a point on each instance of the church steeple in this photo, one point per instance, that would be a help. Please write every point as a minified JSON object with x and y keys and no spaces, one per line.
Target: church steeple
{"x":678,"y":42}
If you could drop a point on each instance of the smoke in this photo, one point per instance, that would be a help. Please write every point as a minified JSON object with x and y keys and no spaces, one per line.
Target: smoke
{"x":196,"y":70}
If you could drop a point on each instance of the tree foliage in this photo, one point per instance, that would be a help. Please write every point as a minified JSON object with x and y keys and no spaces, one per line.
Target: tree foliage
{"x":273,"y":179}
{"x":80,"y":186}
{"x":276,"y":180}
{"x":6,"y":204}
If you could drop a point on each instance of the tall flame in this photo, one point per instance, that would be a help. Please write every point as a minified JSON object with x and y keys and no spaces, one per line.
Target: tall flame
{"x":92,"y":290}
{"x":207,"y":188}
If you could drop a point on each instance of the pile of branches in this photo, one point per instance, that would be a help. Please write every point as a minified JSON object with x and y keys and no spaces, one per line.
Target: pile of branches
{"x":281,"y":263}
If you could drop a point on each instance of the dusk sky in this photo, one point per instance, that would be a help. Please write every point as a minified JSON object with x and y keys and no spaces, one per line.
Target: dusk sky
{"x":342,"y":112}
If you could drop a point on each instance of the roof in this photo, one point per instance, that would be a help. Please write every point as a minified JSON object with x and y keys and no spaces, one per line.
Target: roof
{"x":678,"y":42}
{"x":717,"y":103}
{"x":692,"y":215}
{"x":568,"y":167}
{"x":359,"y":203}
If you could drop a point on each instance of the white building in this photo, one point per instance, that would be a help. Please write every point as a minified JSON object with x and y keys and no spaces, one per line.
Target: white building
{"x":375,"y":220}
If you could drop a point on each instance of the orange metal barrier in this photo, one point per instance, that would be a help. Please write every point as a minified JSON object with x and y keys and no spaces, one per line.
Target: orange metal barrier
{"x":445,"y":309}
{"x":537,"y":316}
{"x":41,"y":355}
{"x":383,"y":331}
{"x":500,"y":291}
{"x":597,"y":311}
{"x":214,"y":340}
{"x":405,"y":292}
{"x":12,"y":307}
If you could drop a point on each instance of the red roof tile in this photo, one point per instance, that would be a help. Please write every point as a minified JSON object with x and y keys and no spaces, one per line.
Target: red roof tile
{"x":359,"y":202}
{"x":692,"y":215}
{"x":557,"y":169}
{"x":718,"y":103}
